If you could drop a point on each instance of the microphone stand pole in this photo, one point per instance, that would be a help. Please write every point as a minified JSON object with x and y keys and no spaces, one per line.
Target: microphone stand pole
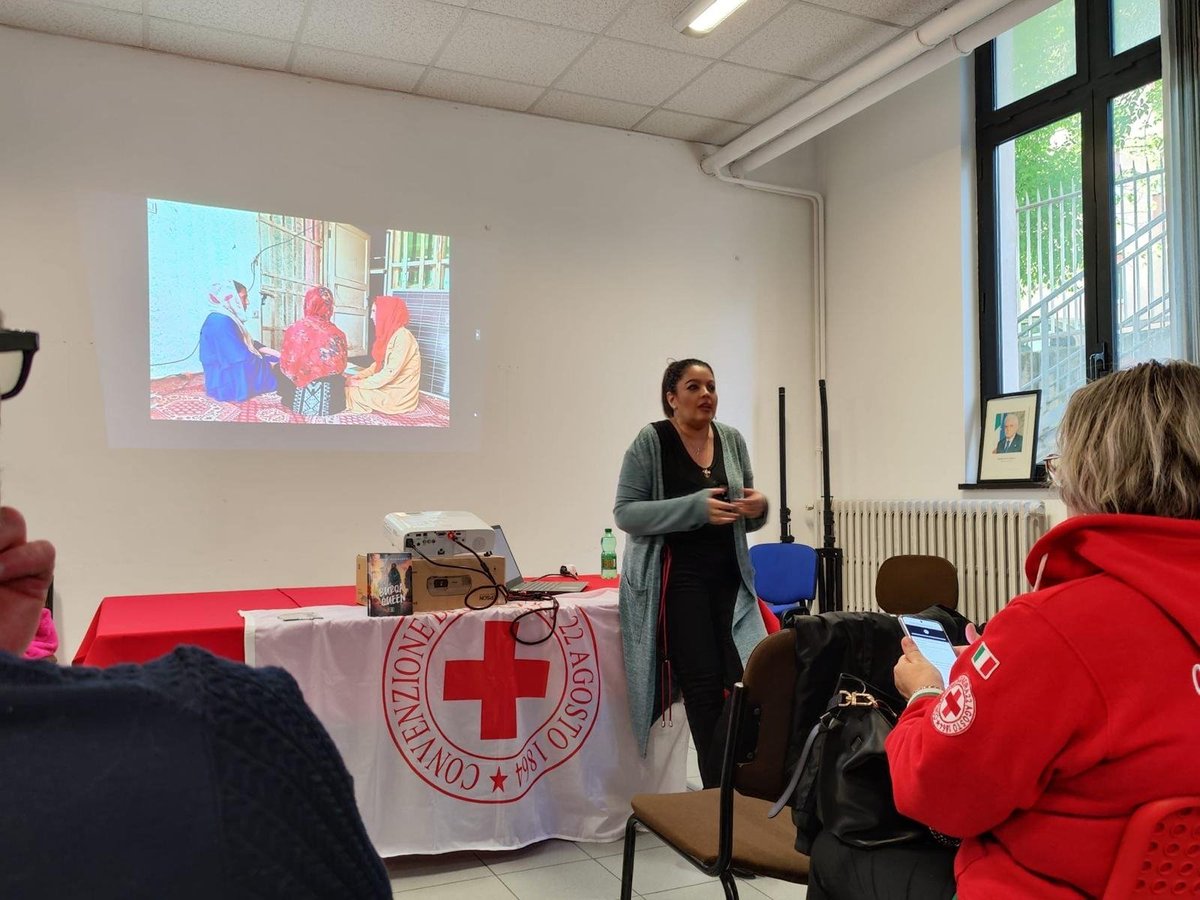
{"x":829,"y":570}
{"x":785,"y":514}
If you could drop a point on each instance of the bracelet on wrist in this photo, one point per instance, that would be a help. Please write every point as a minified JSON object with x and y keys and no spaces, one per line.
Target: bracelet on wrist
{"x":928,"y":691}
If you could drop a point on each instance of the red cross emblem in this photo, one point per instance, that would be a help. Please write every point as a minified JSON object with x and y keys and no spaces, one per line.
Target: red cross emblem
{"x":953,"y":703}
{"x":498,"y":681}
{"x":954,"y":713}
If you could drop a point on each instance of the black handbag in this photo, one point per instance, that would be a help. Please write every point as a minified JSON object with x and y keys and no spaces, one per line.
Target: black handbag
{"x":842,"y":782}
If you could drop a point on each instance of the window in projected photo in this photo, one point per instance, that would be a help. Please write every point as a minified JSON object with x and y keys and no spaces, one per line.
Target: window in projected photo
{"x":261,"y":317}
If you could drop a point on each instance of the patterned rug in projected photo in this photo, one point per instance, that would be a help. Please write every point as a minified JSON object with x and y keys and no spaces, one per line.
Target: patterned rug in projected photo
{"x":182,"y":398}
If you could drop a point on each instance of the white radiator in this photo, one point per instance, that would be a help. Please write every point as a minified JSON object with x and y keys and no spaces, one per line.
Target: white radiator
{"x":987,"y":540}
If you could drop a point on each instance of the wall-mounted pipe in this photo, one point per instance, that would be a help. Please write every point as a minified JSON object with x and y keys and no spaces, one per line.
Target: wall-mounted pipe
{"x":961,"y":44}
{"x":888,"y":58}
{"x":817,"y":201}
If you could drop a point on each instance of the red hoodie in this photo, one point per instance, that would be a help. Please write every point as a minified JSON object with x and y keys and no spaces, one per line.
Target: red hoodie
{"x":1080,"y":703}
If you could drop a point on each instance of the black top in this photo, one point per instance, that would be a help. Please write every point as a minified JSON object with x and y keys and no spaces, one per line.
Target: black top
{"x":682,"y":476}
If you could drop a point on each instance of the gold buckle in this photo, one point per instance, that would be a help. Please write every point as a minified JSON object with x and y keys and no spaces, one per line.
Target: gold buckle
{"x":857,"y":698}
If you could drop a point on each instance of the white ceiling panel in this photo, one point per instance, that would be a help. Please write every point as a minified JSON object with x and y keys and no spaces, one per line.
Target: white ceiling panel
{"x":511,"y":49}
{"x":122,"y":5}
{"x":617,"y":63}
{"x":584,"y":15}
{"x":408,"y":30}
{"x":617,"y":70}
{"x":218,"y":46}
{"x":353,"y":69}
{"x":898,"y":12}
{"x":279,"y":19}
{"x":812,"y":42}
{"x":478,"y":91}
{"x":690,"y":128}
{"x":650,"y":22}
{"x":93,"y":23}
{"x":739,"y":94}
{"x":577,"y":108}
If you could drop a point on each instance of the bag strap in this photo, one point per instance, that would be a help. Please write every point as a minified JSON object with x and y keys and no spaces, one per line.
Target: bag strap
{"x":840,"y":699}
{"x":798,"y":771}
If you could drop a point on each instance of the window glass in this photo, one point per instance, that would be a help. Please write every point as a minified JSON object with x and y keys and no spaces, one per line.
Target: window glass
{"x":1134,"y":22}
{"x":1036,"y":53}
{"x":1141,"y":296}
{"x":1039,"y":205}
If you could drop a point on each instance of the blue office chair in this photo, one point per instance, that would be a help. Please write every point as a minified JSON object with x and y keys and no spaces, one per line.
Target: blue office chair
{"x":785,"y":575}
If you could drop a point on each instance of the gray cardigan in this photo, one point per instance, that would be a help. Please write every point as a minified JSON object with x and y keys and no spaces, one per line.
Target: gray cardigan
{"x":645,"y":516}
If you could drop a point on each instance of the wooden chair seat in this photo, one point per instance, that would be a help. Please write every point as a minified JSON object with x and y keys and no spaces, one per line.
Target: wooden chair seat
{"x":726,"y":830}
{"x":689,"y":821}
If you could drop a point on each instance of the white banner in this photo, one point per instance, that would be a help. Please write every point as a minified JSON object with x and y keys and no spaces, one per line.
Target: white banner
{"x":461,"y":737}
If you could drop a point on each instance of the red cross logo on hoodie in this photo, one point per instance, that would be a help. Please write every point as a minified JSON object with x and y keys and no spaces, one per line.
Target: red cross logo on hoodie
{"x":955,"y":711}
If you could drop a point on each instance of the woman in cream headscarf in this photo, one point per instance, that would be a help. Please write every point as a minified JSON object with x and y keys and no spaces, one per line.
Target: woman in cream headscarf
{"x":392,"y":383}
{"x":236,"y":367}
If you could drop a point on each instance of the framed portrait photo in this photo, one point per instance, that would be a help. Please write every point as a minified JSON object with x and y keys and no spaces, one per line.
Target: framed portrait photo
{"x":1008,"y":444}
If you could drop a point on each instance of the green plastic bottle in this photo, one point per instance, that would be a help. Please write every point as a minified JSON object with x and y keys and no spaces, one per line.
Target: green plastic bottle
{"x":608,"y":554}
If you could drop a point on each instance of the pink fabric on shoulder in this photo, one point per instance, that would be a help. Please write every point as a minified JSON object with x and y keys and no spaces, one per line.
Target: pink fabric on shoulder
{"x":45,"y":642}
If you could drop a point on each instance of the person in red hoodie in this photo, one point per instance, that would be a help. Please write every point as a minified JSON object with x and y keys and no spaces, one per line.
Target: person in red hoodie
{"x":1082,"y":701}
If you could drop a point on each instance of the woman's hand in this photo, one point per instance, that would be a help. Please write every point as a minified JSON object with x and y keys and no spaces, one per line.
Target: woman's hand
{"x":26,"y":570}
{"x":720,"y":512}
{"x":753,"y":503}
{"x":914,"y":671}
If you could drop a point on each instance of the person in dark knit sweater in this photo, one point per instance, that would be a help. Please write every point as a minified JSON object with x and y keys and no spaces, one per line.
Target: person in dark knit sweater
{"x":188,"y":777}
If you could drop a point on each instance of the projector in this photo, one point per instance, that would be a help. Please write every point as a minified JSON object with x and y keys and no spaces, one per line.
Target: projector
{"x":434,"y":533}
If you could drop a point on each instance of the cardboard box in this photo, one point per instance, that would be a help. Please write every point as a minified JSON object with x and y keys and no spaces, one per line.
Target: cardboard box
{"x":383,"y":583}
{"x":439,"y":587}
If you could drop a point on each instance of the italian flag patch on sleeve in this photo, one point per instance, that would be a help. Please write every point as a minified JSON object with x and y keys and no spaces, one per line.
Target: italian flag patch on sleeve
{"x":984,"y":660}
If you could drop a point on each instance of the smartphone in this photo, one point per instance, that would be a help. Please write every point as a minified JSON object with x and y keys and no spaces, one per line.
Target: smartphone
{"x":931,"y":639}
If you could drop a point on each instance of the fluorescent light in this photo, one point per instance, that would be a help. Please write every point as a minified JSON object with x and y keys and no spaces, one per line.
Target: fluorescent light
{"x":703,"y":16}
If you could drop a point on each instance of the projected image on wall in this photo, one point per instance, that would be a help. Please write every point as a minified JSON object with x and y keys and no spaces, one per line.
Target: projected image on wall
{"x":259,"y":317}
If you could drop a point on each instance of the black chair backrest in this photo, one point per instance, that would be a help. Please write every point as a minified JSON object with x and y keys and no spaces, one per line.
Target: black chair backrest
{"x":909,"y":584}
{"x":769,"y":680}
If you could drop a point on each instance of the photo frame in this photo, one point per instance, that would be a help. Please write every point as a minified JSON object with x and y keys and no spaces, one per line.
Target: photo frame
{"x":1008,"y":437}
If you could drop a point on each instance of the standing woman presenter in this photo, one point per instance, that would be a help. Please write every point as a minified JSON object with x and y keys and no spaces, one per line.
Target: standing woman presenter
{"x":689,"y":614}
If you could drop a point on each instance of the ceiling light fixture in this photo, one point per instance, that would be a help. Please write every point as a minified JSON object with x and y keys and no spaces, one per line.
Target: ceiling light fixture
{"x":703,"y":16}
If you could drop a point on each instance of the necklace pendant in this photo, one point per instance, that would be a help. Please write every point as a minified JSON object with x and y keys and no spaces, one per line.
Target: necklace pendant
{"x":707,"y":473}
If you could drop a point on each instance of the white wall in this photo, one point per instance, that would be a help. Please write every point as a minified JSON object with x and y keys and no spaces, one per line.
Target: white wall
{"x":602,"y":254}
{"x":898,"y":184}
{"x":899,"y":180}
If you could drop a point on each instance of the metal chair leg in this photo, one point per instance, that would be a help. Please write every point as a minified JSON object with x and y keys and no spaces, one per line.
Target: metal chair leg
{"x":627,"y":859}
{"x":730,"y":884}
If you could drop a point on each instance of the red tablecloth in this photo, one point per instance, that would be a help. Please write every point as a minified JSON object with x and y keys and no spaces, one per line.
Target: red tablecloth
{"x":136,"y":629}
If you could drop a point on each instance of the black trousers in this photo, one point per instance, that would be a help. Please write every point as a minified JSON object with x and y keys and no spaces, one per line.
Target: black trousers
{"x":699,"y":644}
{"x":905,"y":872}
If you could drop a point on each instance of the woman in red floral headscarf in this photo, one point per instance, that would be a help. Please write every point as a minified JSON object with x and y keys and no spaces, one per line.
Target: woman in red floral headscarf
{"x":392,"y":384}
{"x":314,"y":350}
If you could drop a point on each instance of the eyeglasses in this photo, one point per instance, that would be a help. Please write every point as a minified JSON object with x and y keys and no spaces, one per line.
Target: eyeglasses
{"x":16,"y":359}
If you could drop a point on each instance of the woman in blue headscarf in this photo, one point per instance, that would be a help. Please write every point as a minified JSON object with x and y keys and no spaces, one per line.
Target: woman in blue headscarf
{"x":236,"y":367}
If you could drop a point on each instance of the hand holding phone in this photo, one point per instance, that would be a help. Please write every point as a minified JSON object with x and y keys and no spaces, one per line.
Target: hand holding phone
{"x":720,"y":510}
{"x":933,"y":642}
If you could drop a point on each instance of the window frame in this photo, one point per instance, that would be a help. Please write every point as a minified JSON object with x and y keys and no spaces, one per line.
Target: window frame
{"x":1099,"y":78}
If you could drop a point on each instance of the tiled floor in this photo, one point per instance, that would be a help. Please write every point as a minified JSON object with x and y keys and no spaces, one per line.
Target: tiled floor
{"x":562,"y":870}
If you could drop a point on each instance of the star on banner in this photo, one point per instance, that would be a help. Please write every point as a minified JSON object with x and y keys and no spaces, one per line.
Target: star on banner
{"x":498,"y":780}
